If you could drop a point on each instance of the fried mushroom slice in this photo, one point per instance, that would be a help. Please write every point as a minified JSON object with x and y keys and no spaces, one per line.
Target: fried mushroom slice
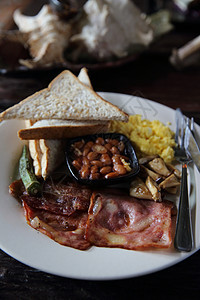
{"x":146,"y":159}
{"x":147,"y":172}
{"x":174,"y":170}
{"x":170,"y":181}
{"x":158,"y":165}
{"x":154,"y":189}
{"x":138,"y":189}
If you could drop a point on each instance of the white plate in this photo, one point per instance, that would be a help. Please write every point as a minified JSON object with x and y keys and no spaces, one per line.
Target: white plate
{"x":38,"y":251}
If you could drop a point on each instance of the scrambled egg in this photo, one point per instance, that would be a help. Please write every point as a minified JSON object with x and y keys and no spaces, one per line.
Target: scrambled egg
{"x":148,"y":137}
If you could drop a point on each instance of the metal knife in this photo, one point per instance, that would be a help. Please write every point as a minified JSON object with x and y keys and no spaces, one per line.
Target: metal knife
{"x":178,"y":118}
{"x":191,"y":146}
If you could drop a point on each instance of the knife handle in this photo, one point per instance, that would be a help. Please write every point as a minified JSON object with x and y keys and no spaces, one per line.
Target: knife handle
{"x":183,"y":237}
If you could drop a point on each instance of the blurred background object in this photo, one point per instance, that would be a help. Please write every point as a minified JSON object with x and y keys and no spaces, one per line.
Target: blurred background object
{"x":7,"y":9}
{"x":69,"y":32}
{"x":181,"y":10}
{"x":96,"y":35}
{"x":187,"y":55}
{"x":67,"y":9}
{"x":189,"y":9}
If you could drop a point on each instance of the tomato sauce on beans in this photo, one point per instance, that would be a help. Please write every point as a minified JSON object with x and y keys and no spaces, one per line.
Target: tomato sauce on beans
{"x":99,"y":159}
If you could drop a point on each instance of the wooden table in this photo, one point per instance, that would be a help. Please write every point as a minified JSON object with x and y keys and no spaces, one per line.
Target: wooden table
{"x":152,"y":77}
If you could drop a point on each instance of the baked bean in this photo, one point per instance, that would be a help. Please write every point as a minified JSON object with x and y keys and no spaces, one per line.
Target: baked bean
{"x":111,"y":175}
{"x":94,"y":169}
{"x":86,"y":150}
{"x":105,"y":170}
{"x":106,"y":160}
{"x":108,"y":140}
{"x":108,"y":146}
{"x":116,"y":159}
{"x":79,"y":144}
{"x":113,"y":142}
{"x":119,"y":169}
{"x":85,"y":172}
{"x":114,"y":150}
{"x":89,"y":144}
{"x":76,"y":164}
{"x":99,"y":149}
{"x":100,"y":159}
{"x":100,"y":141}
{"x":85,"y":161}
{"x":92,"y":155}
{"x":94,"y":176}
{"x":97,"y":163}
{"x":77,"y":152}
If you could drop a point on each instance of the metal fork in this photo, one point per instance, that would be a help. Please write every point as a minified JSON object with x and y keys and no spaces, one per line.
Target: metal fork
{"x":183,"y":236}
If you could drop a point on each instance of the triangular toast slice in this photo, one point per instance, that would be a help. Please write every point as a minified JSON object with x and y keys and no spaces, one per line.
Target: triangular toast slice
{"x":66,"y":98}
{"x":61,"y":129}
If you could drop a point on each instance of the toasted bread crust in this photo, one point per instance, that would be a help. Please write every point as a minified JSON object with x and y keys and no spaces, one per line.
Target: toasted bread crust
{"x":61,"y":132}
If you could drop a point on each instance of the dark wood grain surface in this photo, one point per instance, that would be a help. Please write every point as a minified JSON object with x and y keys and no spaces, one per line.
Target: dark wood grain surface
{"x":152,"y":77}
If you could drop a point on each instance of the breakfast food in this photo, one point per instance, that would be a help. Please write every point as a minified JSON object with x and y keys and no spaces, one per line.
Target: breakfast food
{"x":74,"y":214}
{"x":114,"y":219}
{"x":148,"y":137}
{"x":58,"y":129}
{"x":45,"y":137}
{"x":61,"y":129}
{"x":60,"y":213}
{"x":31,"y":184}
{"x":78,"y":216}
{"x":101,"y":158}
{"x":125,"y":222}
{"x":52,"y":155}
{"x":154,"y":179}
{"x":66,"y":98}
{"x":67,"y":108}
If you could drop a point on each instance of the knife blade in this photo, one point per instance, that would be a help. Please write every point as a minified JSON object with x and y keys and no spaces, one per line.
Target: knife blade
{"x":178,"y":119}
{"x":192,"y":147}
{"x":192,"y":128}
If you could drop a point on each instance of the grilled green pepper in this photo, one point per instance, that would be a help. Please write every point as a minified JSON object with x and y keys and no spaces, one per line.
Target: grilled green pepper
{"x":32,"y":185}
